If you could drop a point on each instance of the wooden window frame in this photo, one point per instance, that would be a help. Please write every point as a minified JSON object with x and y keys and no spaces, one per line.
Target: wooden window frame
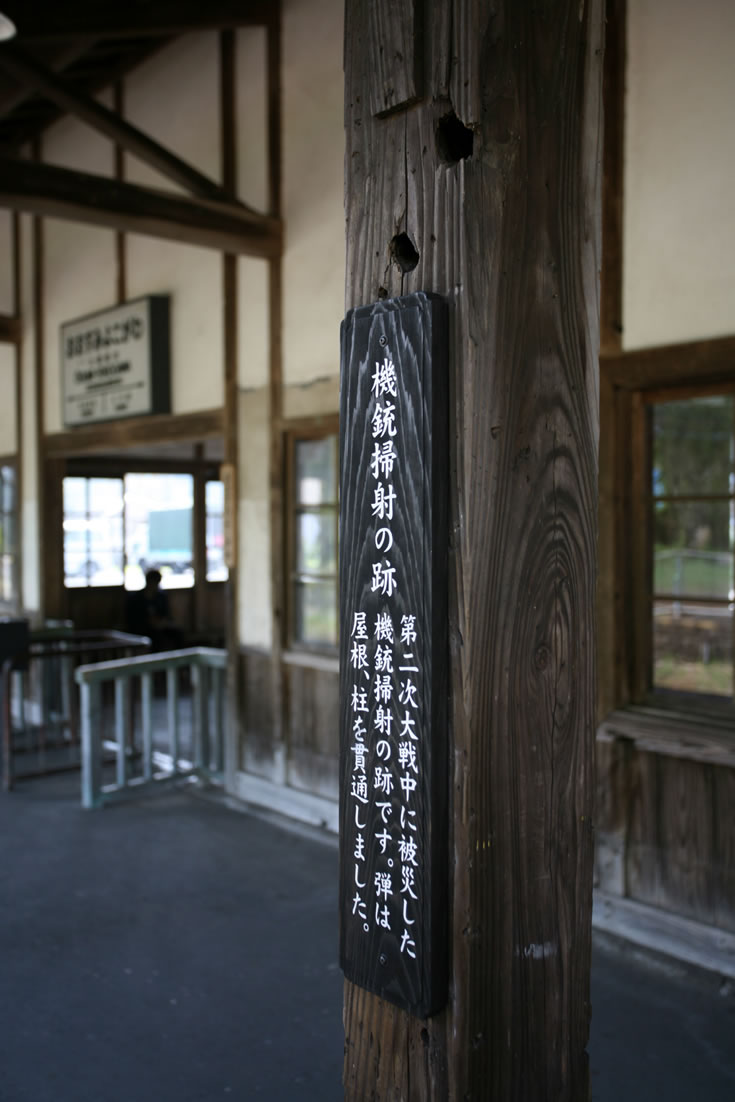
{"x":644,"y":403}
{"x":88,"y":478}
{"x":631,"y":384}
{"x":295,"y":431}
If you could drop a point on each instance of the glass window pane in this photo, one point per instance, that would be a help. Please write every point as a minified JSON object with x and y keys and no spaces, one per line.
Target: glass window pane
{"x":316,"y":471}
{"x":159,"y":513}
{"x":93,"y":526}
{"x":105,"y":568}
{"x":106,"y":534}
{"x":316,"y":612}
{"x":693,"y":549}
{"x":215,"y":508}
{"x":75,"y":496}
{"x":6,"y":577}
{"x":692,"y":648}
{"x":215,"y":496}
{"x":105,"y":496}
{"x":316,"y":543}
{"x":693,"y":446}
{"x":7,"y":480}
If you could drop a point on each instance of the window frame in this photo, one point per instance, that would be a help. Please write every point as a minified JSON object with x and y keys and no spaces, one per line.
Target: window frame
{"x":320,"y":428}
{"x":11,"y":602}
{"x":639,"y":556}
{"x":202,"y":471}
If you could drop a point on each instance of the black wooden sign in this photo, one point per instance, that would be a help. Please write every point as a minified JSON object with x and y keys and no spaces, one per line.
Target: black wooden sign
{"x":393,"y":650}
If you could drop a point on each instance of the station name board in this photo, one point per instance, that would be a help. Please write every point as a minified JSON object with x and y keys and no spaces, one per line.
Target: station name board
{"x":115,"y":363}
{"x":393,"y":650}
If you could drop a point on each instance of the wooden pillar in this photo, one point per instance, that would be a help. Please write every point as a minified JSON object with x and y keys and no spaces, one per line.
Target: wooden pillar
{"x":473,"y":171}
{"x":231,"y":449}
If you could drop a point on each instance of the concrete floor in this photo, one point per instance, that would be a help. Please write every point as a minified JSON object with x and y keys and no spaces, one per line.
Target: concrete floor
{"x":174,"y":950}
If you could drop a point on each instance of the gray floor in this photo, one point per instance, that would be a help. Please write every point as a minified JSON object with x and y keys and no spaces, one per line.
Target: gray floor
{"x":174,"y":950}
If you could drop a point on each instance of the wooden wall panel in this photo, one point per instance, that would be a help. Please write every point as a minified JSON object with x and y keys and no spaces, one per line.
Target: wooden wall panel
{"x":685,"y":836}
{"x":723,"y":853}
{"x":612,"y":758}
{"x":256,"y":713}
{"x":313,"y":709}
{"x":681,"y":839}
{"x":643,"y":857}
{"x":312,"y":729}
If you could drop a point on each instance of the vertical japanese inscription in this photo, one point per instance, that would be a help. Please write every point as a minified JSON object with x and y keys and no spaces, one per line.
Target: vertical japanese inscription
{"x":393,"y":650}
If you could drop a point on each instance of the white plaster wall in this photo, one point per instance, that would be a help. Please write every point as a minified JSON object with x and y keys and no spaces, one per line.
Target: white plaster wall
{"x":79,"y":273}
{"x":251,"y":107}
{"x":8,"y":394}
{"x":7,"y":303}
{"x":254,"y":560}
{"x":679,"y":213}
{"x":193,"y":278}
{"x":253,"y":337}
{"x":252,"y":174}
{"x":313,"y":165}
{"x":174,"y":98}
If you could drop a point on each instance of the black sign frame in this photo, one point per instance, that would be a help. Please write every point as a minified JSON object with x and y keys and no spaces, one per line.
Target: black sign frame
{"x":103,"y":334}
{"x":393,"y":562}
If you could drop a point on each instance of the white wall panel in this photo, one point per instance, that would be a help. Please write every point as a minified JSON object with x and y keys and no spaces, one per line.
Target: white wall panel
{"x":313,"y":162}
{"x":79,"y":273}
{"x":679,"y":214}
{"x":8,"y":394}
{"x":174,"y":98}
{"x":193,"y":278}
{"x":254,"y":542}
{"x":251,"y":108}
{"x":79,"y":278}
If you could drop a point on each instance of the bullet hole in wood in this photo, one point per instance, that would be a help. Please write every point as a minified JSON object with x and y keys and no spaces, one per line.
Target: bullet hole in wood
{"x":403,"y":252}
{"x":454,"y":140}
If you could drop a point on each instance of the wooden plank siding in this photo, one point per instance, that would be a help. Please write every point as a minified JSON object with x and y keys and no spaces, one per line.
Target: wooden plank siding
{"x":312,"y":728}
{"x":255,"y":719}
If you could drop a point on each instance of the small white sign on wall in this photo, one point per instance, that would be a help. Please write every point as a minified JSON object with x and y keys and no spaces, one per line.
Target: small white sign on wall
{"x":115,"y":363}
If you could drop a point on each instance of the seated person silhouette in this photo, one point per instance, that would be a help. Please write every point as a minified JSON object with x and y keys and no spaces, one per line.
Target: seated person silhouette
{"x":148,"y":614}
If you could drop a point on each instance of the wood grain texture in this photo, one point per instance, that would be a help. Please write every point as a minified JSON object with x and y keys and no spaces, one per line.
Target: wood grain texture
{"x":510,"y":236}
{"x":611,"y":770}
{"x":611,"y":291}
{"x":671,"y":845}
{"x":312,"y":698}
{"x":723,"y":863}
{"x":394,"y":49}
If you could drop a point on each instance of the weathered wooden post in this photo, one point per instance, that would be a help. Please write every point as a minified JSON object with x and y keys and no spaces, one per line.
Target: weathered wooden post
{"x":472,"y":173}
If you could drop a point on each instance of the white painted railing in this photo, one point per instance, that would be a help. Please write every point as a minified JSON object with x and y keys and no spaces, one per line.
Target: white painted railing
{"x":157,"y":764}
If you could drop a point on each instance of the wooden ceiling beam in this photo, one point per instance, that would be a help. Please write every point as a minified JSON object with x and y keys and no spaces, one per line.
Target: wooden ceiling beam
{"x":9,"y":329}
{"x":13,"y":94}
{"x":19,"y":64}
{"x":53,"y":192}
{"x":37,"y":20}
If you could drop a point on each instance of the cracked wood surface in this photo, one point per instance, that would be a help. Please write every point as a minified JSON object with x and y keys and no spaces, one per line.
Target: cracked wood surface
{"x":510,"y":235}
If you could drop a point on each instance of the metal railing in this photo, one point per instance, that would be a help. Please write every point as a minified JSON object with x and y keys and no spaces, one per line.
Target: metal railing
{"x":151,"y":752}
{"x":39,"y":719}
